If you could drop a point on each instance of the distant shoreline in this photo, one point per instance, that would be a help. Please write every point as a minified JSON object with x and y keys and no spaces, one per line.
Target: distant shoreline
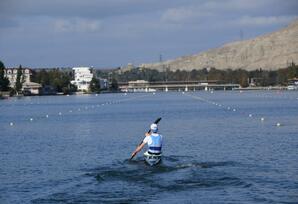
{"x":278,"y":88}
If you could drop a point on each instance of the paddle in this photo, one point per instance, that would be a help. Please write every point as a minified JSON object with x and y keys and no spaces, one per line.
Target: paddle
{"x":155,"y":122}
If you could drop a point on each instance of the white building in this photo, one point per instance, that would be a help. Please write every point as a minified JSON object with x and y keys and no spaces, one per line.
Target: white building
{"x":31,"y":88}
{"x":11,"y":74}
{"x":28,"y":87}
{"x":82,"y":78}
{"x":137,"y":86}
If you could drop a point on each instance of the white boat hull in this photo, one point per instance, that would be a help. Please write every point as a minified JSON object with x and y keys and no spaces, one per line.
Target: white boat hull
{"x":152,"y":159}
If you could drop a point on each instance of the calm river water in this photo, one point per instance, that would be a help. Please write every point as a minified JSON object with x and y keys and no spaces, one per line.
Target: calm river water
{"x":217,"y":148}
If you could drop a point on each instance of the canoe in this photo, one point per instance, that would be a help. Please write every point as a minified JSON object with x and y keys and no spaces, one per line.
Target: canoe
{"x":152,"y":159}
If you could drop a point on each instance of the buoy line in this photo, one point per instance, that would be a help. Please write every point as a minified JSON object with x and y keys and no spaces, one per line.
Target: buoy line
{"x":79,"y":109}
{"x":262,"y":119}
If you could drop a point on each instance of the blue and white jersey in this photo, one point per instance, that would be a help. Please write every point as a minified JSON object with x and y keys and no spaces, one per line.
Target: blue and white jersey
{"x":154,"y":142}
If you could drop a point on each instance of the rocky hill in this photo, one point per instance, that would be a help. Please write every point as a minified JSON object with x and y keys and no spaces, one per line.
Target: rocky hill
{"x":271,"y":51}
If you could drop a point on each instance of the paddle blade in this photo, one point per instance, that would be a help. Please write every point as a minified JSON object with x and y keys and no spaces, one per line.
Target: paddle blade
{"x":132,"y":156}
{"x":157,"y":120}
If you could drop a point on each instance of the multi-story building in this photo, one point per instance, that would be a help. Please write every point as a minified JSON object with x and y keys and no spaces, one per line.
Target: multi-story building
{"x":11,"y":74}
{"x":28,"y":87}
{"x":82,"y":78}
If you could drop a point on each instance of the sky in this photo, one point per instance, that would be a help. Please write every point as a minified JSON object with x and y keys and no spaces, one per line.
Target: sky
{"x":113,"y":33}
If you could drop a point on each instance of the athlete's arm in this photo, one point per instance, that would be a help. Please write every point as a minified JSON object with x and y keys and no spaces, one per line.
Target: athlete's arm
{"x":139,"y":148}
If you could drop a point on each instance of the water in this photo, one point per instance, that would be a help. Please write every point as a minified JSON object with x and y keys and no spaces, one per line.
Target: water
{"x":212,"y":154}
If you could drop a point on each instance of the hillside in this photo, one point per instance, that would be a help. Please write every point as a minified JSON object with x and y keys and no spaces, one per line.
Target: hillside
{"x":271,"y":51}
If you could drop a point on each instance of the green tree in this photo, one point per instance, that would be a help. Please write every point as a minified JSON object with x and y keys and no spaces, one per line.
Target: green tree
{"x":292,"y":71}
{"x":240,"y":76}
{"x":94,"y":85}
{"x":114,"y":85}
{"x":214,"y":74}
{"x":272,"y":78}
{"x":70,"y":89}
{"x":282,"y":76}
{"x":18,"y":85}
{"x":4,"y":82}
{"x":41,"y":77}
{"x":58,"y":79}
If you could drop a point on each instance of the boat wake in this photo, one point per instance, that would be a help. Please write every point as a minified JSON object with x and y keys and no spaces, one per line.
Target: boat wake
{"x":124,"y":180}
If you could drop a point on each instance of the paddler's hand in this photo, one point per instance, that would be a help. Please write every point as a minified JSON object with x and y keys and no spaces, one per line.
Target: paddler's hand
{"x":147,"y":134}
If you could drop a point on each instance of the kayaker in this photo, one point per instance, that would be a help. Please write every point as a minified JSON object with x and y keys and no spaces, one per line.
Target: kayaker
{"x":154,"y":141}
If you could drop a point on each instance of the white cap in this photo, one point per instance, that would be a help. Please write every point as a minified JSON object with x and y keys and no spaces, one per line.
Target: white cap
{"x":153,"y":127}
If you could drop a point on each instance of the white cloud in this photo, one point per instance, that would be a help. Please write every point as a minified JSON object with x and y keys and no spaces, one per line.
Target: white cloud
{"x":184,"y":15}
{"x":77,"y":25}
{"x":233,"y":5}
{"x":263,"y":20}
{"x":200,"y":11}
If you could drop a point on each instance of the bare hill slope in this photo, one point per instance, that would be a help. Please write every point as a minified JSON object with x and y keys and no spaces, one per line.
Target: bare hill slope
{"x":272,"y":51}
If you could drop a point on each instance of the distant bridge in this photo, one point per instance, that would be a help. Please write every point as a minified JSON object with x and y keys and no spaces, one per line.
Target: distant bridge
{"x":145,"y":86}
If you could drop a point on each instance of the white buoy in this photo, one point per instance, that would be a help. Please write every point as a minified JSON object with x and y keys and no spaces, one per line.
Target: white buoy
{"x":11,"y":123}
{"x":47,"y":116}
{"x":31,"y":119}
{"x":153,"y":93}
{"x":96,"y":94}
{"x":250,"y":115}
{"x":234,"y":109}
{"x":262,"y":119}
{"x":278,"y":124}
